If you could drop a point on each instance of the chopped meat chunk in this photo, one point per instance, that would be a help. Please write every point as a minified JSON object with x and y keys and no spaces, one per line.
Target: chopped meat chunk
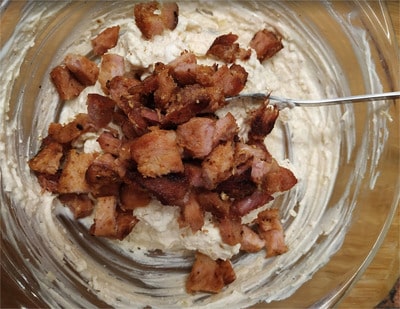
{"x":111,"y":65}
{"x":232,"y":80}
{"x":157,"y":153}
{"x":100,"y":109}
{"x":105,"y":217}
{"x":109,"y":143}
{"x":230,"y":230}
{"x":266,"y":44}
{"x":217,"y":166}
{"x":80,"y":204}
{"x":152,"y":18}
{"x":72,"y":179}
{"x":213,"y":202}
{"x":279,"y":179}
{"x":84,"y":70}
{"x":271,"y":230}
{"x":262,"y":121}
{"x":105,"y":40}
{"x":250,"y":240}
{"x":257,"y":199}
{"x":64,"y":134}
{"x":118,"y":87}
{"x":208,"y":275}
{"x":192,"y":214}
{"x":125,"y":222}
{"x":133,"y":195}
{"x":48,"y":159}
{"x":49,"y":182}
{"x":170,"y":189}
{"x":196,"y":136}
{"x":225,"y":49}
{"x":67,"y":86}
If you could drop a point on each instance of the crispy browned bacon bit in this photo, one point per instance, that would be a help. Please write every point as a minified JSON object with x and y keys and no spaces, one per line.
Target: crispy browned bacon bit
{"x":208,"y":275}
{"x":105,"y":40}
{"x":279,"y":179}
{"x":105,"y":217}
{"x":230,"y":229}
{"x":271,"y":230}
{"x":84,"y":70}
{"x":218,"y":165}
{"x":49,"y":182}
{"x":225,"y":49}
{"x":67,"y":133}
{"x":250,"y":241}
{"x":80,"y":204}
{"x":72,"y":179}
{"x":266,"y":44}
{"x":232,"y":80}
{"x":118,"y":87}
{"x":125,"y":222}
{"x":257,"y":199}
{"x":102,"y":176}
{"x":152,"y":18}
{"x":100,"y":109}
{"x":111,"y":65}
{"x":213,"y":202}
{"x":48,"y":159}
{"x":192,"y":214}
{"x":67,"y":86}
{"x":262,"y":121}
{"x":109,"y":143}
{"x":157,"y":153}
{"x":133,"y":195}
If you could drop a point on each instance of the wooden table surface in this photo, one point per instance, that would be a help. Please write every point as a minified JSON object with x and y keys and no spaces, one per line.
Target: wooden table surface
{"x":382,"y":273}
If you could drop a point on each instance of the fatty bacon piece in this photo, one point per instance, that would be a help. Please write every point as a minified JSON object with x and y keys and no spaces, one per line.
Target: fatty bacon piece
{"x":152,"y":18}
{"x":84,"y":70}
{"x":79,"y":204}
{"x":208,"y":275}
{"x":200,"y":135}
{"x":111,"y":65}
{"x":225,"y":49}
{"x":48,"y":159}
{"x":109,"y":222}
{"x":271,"y":230}
{"x":100,"y":109}
{"x":67,"y":86}
{"x":262,"y":121}
{"x":105,"y":40}
{"x":157,"y":153}
{"x":266,"y":44}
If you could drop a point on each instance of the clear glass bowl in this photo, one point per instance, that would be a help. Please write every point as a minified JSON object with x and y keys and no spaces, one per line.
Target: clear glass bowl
{"x":357,"y":39}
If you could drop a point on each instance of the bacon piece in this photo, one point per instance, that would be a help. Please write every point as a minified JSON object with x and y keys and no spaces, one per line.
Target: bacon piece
{"x":226,"y":129}
{"x":214,"y":203}
{"x":208,"y":275}
{"x":48,"y":159}
{"x":112,"y":65}
{"x":157,"y":153}
{"x":238,"y":186}
{"x":125,"y":222}
{"x":109,"y":143}
{"x":72,"y":179}
{"x":232,"y":80}
{"x":218,"y":165}
{"x":84,"y":70}
{"x":102,"y":176}
{"x":105,"y":217}
{"x":262,"y":121}
{"x":225,"y":49}
{"x":196,"y":136}
{"x":49,"y":182}
{"x":250,"y":240}
{"x":192,"y":214}
{"x":230,"y":230}
{"x":105,"y":40}
{"x":279,"y":179}
{"x":266,"y":44}
{"x":257,"y":199}
{"x":153,"y":18}
{"x":80,"y":204}
{"x":193,"y":174}
{"x":100,"y":109}
{"x":170,"y":189}
{"x":64,"y":134}
{"x":132,"y":196}
{"x":192,"y":100}
{"x":271,"y":230}
{"x":67,"y":86}
{"x":118,"y":88}
{"x":166,"y":90}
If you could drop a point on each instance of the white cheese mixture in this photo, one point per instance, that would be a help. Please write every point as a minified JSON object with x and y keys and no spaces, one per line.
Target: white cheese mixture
{"x":304,"y":139}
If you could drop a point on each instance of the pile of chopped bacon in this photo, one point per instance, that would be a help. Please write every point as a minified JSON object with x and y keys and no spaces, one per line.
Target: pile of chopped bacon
{"x":169,"y":145}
